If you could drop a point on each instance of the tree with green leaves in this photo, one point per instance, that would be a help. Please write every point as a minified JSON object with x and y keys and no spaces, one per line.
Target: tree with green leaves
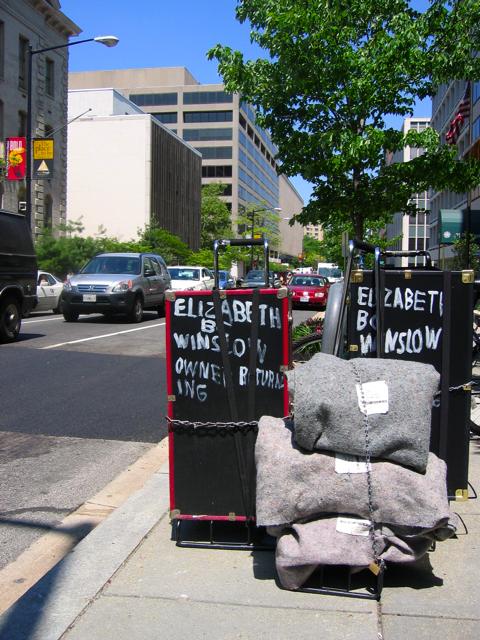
{"x":216,"y":220}
{"x":466,"y":253}
{"x":334,"y":71}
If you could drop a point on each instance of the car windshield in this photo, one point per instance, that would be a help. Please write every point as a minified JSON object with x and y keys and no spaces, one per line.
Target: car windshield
{"x":306,"y":281}
{"x":113,"y":265}
{"x":184,"y":274}
{"x":330,"y":272}
{"x":256,"y":276}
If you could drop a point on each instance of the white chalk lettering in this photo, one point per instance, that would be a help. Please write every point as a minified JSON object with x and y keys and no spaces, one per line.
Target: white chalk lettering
{"x":432,"y":337}
{"x":367,"y":343}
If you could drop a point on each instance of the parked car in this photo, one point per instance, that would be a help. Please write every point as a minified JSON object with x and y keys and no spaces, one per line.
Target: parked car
{"x":188,"y":278}
{"x":110,"y":283}
{"x":255,"y":278}
{"x":307,"y":290}
{"x":18,"y":274}
{"x":225,"y":280}
{"x":49,"y":293}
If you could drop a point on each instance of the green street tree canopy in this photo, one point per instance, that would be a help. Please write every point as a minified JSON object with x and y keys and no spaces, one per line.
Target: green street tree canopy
{"x":333,"y":72}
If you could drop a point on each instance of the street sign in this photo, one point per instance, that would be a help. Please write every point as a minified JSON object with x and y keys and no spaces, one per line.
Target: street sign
{"x":455,"y":222}
{"x":43,"y":149}
{"x":42,"y":169}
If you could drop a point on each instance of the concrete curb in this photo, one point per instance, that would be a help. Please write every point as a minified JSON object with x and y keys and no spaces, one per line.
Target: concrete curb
{"x":49,"y":608}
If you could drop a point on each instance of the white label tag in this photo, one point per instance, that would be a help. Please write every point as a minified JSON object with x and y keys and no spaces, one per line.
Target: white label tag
{"x":353,"y":526}
{"x":345,"y":463}
{"x":373,"y":397}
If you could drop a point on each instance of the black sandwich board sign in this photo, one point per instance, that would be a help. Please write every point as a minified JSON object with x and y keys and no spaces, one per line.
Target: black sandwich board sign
{"x":227,"y":352}
{"x":426,"y":315}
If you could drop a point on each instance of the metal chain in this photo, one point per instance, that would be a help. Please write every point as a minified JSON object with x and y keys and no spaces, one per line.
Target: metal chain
{"x":202,"y":425}
{"x":379,"y":562}
{"x":464,"y":386}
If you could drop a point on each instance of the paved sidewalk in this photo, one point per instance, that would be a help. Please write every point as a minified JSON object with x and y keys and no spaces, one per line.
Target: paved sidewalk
{"x":128,"y":580}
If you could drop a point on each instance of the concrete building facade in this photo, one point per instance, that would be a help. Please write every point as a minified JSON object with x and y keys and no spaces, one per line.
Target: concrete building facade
{"x":235,"y":151}
{"x":41,"y":24}
{"x":412,"y":231}
{"x":126,"y":170}
{"x":444,"y":107}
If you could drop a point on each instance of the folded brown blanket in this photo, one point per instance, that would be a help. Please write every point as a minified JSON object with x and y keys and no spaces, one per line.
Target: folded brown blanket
{"x":293,"y":485}
{"x":328,"y":416}
{"x":304,"y":547}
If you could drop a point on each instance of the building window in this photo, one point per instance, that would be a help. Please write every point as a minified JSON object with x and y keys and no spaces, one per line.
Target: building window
{"x":2,"y":49}
{"x":242,"y":121}
{"x":476,"y":130}
{"x":205,"y":97}
{"x":22,"y":123}
{"x":49,"y":77}
{"x":153,"y":99}
{"x":217,"y":171}
{"x":22,"y":62}
{"x":166,"y":118}
{"x":48,"y":212}
{"x":207,"y":134}
{"x":476,"y":92}
{"x":207,"y":116}
{"x":214,"y":153}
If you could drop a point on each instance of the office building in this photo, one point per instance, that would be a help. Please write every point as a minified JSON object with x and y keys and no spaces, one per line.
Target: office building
{"x":39,"y":24}
{"x":445,"y":105}
{"x":126,"y":170}
{"x":235,"y":151}
{"x":411,"y":231}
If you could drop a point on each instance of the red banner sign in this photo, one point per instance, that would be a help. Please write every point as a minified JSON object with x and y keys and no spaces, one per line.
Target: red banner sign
{"x":15,"y":154}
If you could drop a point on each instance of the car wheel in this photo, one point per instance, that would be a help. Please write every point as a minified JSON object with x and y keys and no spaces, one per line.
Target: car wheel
{"x":10,"y":320}
{"x":136,"y":312}
{"x":161,"y":310}
{"x":58,"y":308}
{"x":70,"y":316}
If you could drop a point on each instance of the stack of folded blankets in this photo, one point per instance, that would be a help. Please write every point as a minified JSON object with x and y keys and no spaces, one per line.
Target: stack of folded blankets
{"x":312,"y":480}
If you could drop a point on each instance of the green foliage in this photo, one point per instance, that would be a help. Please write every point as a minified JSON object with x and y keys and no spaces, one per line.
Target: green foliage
{"x":313,"y":252}
{"x":216,"y":221}
{"x":68,"y":252}
{"x":334,"y":71}
{"x":466,"y":253}
{"x":169,"y":246}
{"x":65,"y":254}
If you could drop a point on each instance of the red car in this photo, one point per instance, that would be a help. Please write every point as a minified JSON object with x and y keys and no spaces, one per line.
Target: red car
{"x":309,"y":290}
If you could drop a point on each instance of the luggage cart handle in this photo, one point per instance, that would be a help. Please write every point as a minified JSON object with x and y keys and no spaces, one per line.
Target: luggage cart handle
{"x":240,"y":242}
{"x":408,"y":254}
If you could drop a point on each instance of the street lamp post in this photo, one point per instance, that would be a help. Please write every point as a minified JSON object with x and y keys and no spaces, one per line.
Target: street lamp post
{"x":252,"y":213}
{"x":108,"y":41}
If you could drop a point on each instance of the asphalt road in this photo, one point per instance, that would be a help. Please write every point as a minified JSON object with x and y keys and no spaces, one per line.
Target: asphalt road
{"x":79,"y":403}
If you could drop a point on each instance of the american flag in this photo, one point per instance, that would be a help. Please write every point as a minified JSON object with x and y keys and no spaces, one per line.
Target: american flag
{"x":462,"y":113}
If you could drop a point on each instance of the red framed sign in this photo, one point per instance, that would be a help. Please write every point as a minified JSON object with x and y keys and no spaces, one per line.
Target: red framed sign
{"x":227,"y":353}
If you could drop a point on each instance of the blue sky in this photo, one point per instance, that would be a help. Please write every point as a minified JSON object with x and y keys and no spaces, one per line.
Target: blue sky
{"x":164,"y":33}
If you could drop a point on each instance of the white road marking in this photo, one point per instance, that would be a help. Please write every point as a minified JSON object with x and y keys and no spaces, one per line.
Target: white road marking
{"x":105,"y":335}
{"x":41,"y":320}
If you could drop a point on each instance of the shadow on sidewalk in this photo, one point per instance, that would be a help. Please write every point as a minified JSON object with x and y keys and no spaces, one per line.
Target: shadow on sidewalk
{"x":23,"y":618}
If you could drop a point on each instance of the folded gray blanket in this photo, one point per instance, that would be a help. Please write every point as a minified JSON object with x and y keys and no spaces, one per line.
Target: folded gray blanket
{"x":304,"y":547}
{"x":293,"y":485}
{"x":328,"y":416}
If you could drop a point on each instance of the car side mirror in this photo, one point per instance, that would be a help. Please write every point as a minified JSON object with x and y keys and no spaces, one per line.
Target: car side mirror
{"x":148,"y":272}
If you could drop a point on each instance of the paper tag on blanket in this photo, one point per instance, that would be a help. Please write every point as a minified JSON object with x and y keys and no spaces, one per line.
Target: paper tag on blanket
{"x":350,"y":464}
{"x":374,"y":398}
{"x":353,"y":526}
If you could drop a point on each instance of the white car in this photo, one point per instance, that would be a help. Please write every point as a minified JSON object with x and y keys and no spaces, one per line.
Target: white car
{"x":186,"y":278}
{"x":49,"y":291}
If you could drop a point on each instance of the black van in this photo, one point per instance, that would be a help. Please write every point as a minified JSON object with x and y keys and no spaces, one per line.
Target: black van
{"x":18,"y":273}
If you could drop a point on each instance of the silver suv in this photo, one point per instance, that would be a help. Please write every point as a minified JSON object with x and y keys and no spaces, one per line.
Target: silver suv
{"x":110,"y":283}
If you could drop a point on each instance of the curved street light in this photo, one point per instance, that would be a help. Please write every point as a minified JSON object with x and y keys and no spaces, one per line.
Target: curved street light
{"x":108,"y":41}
